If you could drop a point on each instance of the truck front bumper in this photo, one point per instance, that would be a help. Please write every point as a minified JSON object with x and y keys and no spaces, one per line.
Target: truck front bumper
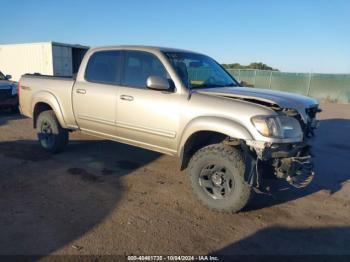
{"x":9,"y":102}
{"x":291,"y":161}
{"x":297,"y":171}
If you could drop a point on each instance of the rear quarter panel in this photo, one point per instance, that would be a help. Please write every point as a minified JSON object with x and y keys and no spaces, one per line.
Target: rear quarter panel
{"x":54,"y":91}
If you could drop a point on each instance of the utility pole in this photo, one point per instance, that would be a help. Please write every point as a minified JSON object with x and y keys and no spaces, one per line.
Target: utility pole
{"x":255,"y":77}
{"x":309,"y":85}
{"x":270,"y":80}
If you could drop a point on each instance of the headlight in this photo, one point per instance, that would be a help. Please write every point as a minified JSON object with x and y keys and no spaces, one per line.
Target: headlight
{"x":278,"y":126}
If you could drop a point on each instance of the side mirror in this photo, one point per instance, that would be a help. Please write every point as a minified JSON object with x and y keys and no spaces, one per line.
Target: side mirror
{"x":158,"y":83}
{"x":8,"y":77}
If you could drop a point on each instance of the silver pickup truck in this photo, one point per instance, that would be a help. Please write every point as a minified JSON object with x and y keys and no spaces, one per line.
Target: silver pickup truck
{"x":230,"y":138}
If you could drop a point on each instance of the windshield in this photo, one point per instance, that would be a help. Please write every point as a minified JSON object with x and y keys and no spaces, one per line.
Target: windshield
{"x":199,"y":71}
{"x":2,"y":76}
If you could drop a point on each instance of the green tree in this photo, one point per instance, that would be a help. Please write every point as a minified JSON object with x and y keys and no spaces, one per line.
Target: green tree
{"x":256,"y":65}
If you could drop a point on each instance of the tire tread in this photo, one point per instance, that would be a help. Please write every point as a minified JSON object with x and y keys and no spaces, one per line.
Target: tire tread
{"x":63,"y":134}
{"x":236,"y":158}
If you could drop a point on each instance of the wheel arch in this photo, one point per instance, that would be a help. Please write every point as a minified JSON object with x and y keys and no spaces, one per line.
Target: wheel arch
{"x":43,"y":101}
{"x":204,"y":131}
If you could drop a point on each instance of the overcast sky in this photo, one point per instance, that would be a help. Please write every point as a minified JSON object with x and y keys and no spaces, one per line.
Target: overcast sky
{"x":295,"y":35}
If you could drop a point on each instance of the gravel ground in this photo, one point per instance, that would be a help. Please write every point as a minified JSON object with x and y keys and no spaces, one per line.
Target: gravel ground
{"x":101,"y":198}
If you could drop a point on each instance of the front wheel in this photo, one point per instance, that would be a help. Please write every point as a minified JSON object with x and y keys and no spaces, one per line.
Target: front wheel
{"x":52,"y":137}
{"x":217,"y":178}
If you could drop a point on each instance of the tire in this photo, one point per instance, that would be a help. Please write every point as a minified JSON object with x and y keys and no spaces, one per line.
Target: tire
{"x":52,"y":137}
{"x":216,"y":175}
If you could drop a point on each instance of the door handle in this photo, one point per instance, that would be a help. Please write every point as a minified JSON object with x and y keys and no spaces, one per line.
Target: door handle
{"x":126,"y":98}
{"x":81,"y":91}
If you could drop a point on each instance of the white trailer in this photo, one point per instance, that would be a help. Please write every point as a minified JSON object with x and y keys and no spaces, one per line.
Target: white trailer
{"x":47,"y":58}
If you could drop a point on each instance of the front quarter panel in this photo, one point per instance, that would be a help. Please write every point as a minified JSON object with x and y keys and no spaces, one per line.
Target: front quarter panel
{"x":223,"y":115}
{"x":214,"y":124}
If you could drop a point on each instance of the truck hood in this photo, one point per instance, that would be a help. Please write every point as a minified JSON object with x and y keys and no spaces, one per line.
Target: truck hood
{"x":279,"y":98}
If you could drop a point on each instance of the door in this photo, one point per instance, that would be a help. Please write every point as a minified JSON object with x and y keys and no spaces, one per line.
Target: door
{"x":147,"y":118}
{"x":95,"y":98}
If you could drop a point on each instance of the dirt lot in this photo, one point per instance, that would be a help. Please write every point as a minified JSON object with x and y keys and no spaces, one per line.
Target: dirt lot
{"x":101,"y":197}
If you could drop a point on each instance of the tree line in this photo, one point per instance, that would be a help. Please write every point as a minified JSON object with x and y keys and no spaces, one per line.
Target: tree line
{"x":259,"y":66}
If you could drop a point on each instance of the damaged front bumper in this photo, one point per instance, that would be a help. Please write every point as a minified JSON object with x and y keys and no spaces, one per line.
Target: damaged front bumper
{"x":297,"y":171}
{"x":291,"y":161}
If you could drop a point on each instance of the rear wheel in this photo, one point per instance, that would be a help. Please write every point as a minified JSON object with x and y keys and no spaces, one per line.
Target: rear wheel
{"x":217,"y":178}
{"x":52,"y":137}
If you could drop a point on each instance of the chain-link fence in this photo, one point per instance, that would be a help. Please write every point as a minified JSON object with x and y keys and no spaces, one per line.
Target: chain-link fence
{"x":334,"y":88}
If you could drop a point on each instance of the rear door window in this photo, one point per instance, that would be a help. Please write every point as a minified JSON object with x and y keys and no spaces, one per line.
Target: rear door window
{"x":103,"y":67}
{"x":138,"y":66}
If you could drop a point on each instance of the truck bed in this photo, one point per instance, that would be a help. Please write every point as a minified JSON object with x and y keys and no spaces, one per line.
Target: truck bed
{"x":55,"y":90}
{"x":49,"y":76}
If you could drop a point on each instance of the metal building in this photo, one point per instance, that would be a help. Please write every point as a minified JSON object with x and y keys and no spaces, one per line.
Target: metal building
{"x":47,"y":58}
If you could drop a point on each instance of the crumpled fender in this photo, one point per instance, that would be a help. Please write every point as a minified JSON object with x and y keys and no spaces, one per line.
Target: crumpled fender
{"x":216,"y":124}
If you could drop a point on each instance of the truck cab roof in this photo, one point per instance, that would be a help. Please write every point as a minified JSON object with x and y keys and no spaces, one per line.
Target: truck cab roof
{"x":140,"y":48}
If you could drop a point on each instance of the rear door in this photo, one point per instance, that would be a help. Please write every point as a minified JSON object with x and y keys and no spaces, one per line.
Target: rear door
{"x":147,"y":118}
{"x":95,"y":98}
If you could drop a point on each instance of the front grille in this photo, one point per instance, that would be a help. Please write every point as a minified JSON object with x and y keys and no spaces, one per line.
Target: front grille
{"x":5,"y":93}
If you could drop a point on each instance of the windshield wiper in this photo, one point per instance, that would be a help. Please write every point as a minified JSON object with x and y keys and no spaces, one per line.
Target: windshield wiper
{"x":211,"y":86}
{"x":203,"y":86}
{"x":228,"y":85}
